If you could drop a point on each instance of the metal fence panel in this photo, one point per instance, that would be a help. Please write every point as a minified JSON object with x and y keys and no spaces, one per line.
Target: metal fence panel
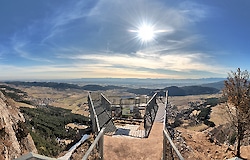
{"x":170,"y":152}
{"x":150,"y":113}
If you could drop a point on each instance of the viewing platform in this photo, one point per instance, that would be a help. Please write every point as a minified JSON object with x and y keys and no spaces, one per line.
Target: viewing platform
{"x":132,"y":132}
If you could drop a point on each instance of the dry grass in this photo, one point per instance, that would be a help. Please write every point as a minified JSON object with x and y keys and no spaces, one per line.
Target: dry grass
{"x":74,"y":100}
{"x":219,"y":115}
{"x":198,"y":128}
{"x":128,"y":148}
{"x":203,"y":148}
{"x":19,"y":104}
{"x":182,"y":101}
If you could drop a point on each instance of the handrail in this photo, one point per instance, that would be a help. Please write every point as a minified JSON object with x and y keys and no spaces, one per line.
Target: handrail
{"x":166,"y":135}
{"x":151,"y":99}
{"x":172,"y":145}
{"x":95,"y":115}
{"x":105,"y":98}
{"x":150,"y":114}
{"x":99,"y":139}
{"x":106,"y":104}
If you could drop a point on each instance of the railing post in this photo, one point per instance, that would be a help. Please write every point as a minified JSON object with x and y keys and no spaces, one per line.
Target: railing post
{"x":98,"y":142}
{"x":93,"y":116}
{"x":166,"y":111}
{"x":164,"y":147}
{"x":101,"y":147}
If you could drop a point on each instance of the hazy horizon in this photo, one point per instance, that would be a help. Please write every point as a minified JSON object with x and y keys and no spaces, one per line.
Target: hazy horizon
{"x":132,"y":82}
{"x":47,"y":79}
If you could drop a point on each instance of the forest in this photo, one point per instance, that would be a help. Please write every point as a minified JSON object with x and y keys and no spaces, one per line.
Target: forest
{"x":46,"y":124}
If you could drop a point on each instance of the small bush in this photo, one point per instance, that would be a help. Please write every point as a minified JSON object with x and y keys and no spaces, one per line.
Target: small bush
{"x":232,"y":138}
{"x":177,"y":123}
{"x":204,"y":114}
{"x":209,"y":123}
{"x":21,"y":131}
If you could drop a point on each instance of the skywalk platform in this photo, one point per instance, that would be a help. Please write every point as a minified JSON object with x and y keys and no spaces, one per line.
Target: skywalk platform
{"x":130,"y":130}
{"x":125,"y":147}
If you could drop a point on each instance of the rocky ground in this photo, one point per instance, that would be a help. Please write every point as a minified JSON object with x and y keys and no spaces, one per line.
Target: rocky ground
{"x":201,"y":145}
{"x":14,"y":139}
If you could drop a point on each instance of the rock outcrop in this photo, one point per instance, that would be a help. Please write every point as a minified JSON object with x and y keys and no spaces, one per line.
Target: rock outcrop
{"x":15,"y":139}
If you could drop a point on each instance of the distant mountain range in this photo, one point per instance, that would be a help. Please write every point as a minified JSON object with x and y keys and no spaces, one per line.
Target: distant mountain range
{"x":134,"y":82}
{"x":176,"y":91}
{"x":218,"y":85}
{"x":146,"y":83}
{"x":209,"y":88}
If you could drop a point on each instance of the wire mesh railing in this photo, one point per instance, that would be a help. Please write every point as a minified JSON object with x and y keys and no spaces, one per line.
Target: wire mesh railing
{"x":150,"y":114}
{"x":93,"y":116}
{"x":170,"y":151}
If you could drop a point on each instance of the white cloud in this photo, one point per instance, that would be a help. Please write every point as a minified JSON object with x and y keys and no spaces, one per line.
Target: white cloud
{"x":175,"y":61}
{"x":105,"y":27}
{"x":19,"y":48}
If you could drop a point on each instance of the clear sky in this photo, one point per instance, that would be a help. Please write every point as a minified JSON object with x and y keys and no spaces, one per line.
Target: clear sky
{"x":57,"y":39}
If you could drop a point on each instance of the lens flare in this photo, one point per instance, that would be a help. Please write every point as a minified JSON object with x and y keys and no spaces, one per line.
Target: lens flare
{"x":146,"y":33}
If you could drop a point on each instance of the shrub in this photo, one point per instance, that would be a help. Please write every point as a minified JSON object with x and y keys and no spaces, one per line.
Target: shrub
{"x":204,"y":114}
{"x":177,"y":123}
{"x":47,"y":123}
{"x":209,"y":123}
{"x":21,"y":130}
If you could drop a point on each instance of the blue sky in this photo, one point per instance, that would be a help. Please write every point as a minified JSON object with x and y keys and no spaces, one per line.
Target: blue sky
{"x":98,"y":38}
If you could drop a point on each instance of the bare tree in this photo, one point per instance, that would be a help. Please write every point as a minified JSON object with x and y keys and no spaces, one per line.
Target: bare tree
{"x":237,"y":92}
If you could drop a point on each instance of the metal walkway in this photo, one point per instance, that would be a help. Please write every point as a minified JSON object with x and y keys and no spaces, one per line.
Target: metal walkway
{"x":161,"y":111}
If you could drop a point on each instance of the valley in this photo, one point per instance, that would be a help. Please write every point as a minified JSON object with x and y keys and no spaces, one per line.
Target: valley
{"x":195,"y":120}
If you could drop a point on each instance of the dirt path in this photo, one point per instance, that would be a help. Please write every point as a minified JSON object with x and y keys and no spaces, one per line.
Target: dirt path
{"x":127,"y":148}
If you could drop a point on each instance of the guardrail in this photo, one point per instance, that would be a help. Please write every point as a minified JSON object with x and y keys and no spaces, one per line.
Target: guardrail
{"x":170,"y":151}
{"x":101,"y":123}
{"x":150,"y":113}
{"x":98,"y":145}
{"x":106,"y":104}
{"x":93,"y":116}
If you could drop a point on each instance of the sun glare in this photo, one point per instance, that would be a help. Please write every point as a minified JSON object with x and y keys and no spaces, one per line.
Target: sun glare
{"x":146,"y":33}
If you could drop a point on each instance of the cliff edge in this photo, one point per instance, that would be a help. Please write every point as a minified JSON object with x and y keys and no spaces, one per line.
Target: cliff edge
{"x":15,"y":139}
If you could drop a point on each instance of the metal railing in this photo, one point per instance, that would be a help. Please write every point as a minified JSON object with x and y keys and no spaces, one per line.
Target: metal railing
{"x":93,"y":116}
{"x":101,"y":124}
{"x":96,"y":148}
{"x":150,"y":113}
{"x":170,"y":151}
{"x":106,"y":104}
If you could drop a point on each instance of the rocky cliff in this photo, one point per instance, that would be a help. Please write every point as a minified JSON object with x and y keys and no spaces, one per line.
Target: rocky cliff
{"x":15,"y":139}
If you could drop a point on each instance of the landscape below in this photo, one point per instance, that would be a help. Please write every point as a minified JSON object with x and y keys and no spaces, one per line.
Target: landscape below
{"x":56,"y":116}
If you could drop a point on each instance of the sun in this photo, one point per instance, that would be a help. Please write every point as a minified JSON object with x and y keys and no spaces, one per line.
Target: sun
{"x":146,"y":33}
